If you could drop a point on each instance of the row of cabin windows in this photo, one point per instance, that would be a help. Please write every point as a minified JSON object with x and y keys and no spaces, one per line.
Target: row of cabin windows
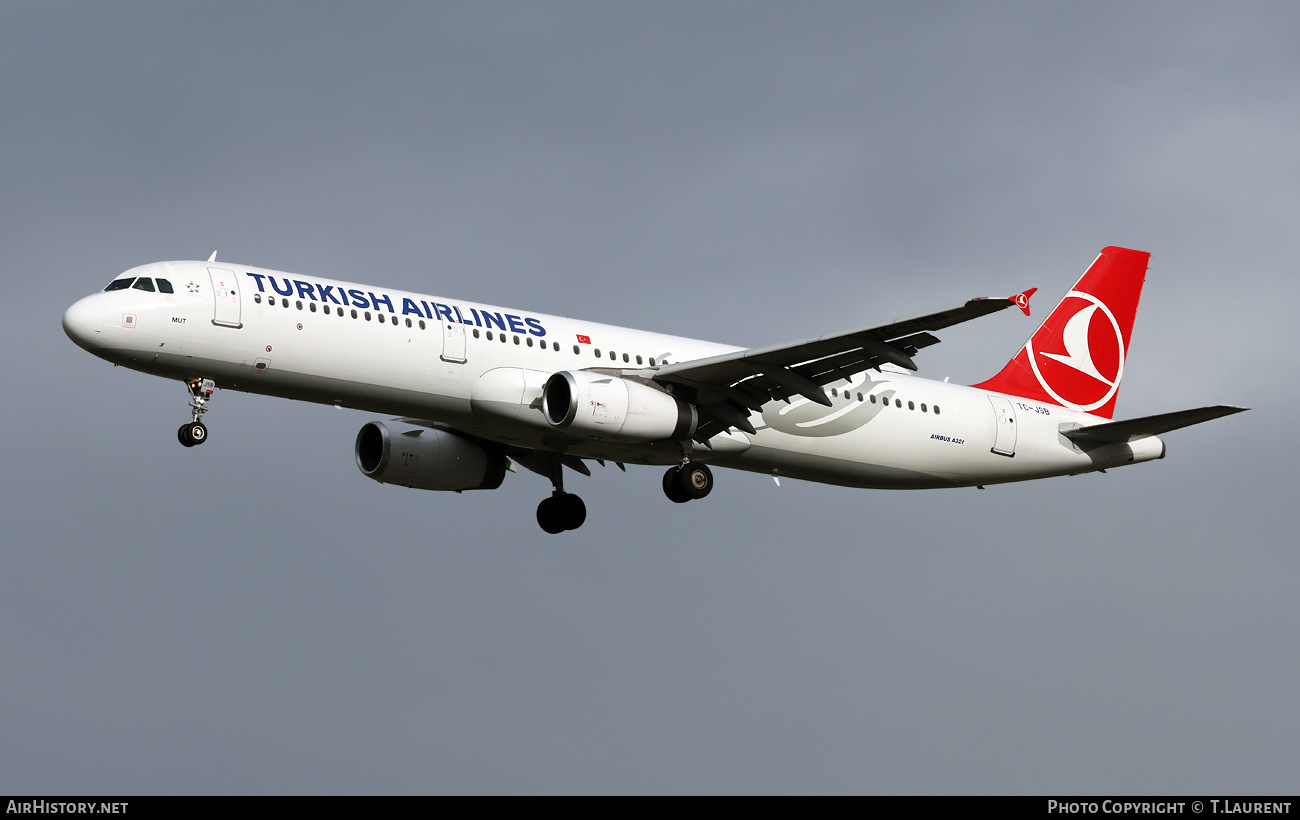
{"x":871,"y":397}
{"x":577,"y":349}
{"x":142,"y":283}
{"x":526,"y":340}
{"x":270,"y":300}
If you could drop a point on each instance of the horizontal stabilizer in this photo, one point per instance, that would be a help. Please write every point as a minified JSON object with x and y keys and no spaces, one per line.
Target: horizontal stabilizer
{"x":1134,"y":429}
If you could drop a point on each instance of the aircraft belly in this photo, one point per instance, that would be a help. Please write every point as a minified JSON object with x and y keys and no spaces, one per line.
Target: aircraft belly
{"x":829,"y":469}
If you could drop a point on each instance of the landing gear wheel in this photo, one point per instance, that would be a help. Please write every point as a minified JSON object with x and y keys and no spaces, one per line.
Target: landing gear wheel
{"x":196,"y":432}
{"x":548,"y":516}
{"x":572,"y":511}
{"x":672,"y":487}
{"x":696,"y":479}
{"x":561,"y":512}
{"x":686,"y":483}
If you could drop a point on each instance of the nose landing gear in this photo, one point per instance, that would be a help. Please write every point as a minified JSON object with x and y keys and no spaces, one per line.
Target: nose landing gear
{"x":196,"y":432}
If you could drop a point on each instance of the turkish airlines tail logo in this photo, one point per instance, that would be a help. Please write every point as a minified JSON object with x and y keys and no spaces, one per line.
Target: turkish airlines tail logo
{"x":1076,"y":358}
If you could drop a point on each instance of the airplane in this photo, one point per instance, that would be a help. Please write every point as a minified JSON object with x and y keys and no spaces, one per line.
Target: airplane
{"x":479,"y":389}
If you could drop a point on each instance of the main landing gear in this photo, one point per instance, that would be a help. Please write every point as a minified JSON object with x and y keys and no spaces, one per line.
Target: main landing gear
{"x":562,"y":511}
{"x":688,"y":482}
{"x":196,"y":432}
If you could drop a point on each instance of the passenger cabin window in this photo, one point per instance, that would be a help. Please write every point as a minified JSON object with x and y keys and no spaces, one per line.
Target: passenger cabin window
{"x":143,"y":283}
{"x":119,"y":284}
{"x":164,"y":286}
{"x":257,"y":297}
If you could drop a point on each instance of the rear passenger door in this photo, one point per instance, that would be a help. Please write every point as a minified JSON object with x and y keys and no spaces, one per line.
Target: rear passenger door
{"x":1004,"y":441}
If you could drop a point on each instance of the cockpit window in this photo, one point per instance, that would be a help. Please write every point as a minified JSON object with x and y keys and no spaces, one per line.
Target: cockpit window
{"x":164,"y":286}
{"x":143,"y":283}
{"x":120,"y":284}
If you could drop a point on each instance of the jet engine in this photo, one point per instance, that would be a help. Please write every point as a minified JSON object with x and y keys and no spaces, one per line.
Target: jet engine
{"x":608,"y":407}
{"x":391,"y":452}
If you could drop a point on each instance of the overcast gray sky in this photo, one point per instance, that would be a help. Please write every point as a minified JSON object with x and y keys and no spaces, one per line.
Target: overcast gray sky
{"x":256,"y":616}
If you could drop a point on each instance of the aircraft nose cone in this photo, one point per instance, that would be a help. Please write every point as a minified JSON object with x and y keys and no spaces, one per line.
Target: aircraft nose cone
{"x":84,"y":321}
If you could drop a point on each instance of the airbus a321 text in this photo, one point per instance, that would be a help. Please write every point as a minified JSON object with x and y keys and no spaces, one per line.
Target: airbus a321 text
{"x":480,"y":388}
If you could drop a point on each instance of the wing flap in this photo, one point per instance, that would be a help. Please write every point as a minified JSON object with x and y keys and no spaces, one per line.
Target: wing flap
{"x":1134,"y":429}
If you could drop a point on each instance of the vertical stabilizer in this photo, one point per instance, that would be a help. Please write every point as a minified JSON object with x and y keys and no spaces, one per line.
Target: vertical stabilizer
{"x":1076,"y":357}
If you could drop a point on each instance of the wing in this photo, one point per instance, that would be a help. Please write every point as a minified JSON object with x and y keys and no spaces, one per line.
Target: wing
{"x":727,"y":387}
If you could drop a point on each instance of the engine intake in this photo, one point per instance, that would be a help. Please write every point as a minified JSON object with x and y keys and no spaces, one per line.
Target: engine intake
{"x":608,"y":407}
{"x":426,"y":459}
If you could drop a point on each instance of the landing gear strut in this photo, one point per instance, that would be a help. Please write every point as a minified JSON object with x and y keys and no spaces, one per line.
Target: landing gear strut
{"x":562,"y":511}
{"x":688,"y":482}
{"x":196,"y":432}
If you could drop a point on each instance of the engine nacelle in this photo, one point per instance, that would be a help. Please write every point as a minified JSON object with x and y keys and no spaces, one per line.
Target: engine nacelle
{"x":608,"y":407}
{"x":395,"y":453}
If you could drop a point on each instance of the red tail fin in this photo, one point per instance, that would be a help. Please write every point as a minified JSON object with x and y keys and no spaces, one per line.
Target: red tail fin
{"x":1076,"y":357}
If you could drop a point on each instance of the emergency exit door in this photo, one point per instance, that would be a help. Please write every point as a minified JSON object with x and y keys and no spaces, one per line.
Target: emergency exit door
{"x":453,"y":343}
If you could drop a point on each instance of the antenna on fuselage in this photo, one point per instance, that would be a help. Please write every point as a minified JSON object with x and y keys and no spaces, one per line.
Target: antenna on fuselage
{"x":213,"y":257}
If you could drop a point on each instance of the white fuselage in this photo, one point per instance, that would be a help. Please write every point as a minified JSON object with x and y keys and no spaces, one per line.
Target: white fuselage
{"x":481,"y":368}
